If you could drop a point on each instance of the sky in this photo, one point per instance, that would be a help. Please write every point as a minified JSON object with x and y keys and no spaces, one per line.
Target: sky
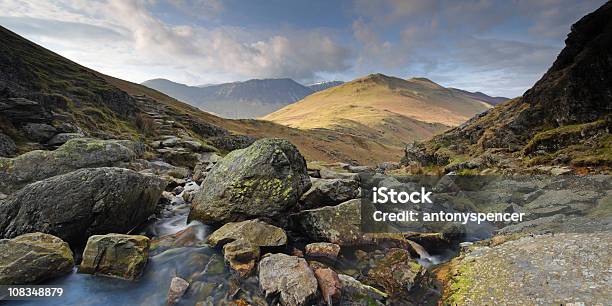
{"x":497,"y":47}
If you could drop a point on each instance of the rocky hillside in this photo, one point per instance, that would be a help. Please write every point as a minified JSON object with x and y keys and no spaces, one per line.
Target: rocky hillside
{"x":564,"y":119}
{"x":324,"y":85}
{"x":391,"y":110}
{"x":248,"y":99}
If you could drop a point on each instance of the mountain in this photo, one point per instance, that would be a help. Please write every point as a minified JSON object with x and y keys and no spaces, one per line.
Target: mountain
{"x":563,"y":120}
{"x":481,"y":96}
{"x":324,"y":85}
{"x":389,"y":109}
{"x":43,"y":95}
{"x":248,"y":99}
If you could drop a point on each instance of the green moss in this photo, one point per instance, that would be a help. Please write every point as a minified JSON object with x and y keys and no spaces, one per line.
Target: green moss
{"x":461,"y":285}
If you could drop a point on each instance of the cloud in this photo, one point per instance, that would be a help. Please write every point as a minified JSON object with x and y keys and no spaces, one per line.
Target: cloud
{"x":135,"y":36}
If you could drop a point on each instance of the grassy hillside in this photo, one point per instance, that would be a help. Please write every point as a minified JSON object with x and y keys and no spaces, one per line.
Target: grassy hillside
{"x":391,"y":110}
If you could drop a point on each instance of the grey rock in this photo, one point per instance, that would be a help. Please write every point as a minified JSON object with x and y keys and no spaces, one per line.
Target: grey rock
{"x":257,"y":232}
{"x":7,"y":146}
{"x":82,"y":203}
{"x":356,"y":293}
{"x":327,"y":192}
{"x":329,"y":174}
{"x":289,"y":276}
{"x":263,"y":180}
{"x":33,"y":258}
{"x":178,"y":286}
{"x":116,"y":255}
{"x":75,"y":154}
{"x":39,"y":132}
{"x":62,"y":138}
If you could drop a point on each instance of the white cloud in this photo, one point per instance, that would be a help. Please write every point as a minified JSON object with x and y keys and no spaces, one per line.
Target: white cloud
{"x":142,"y":40}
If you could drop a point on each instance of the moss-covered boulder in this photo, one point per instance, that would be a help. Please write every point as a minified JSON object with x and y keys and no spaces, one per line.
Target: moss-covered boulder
{"x":264,"y":180}
{"x":82,"y":203}
{"x":33,"y":258}
{"x":116,"y":255}
{"x":75,"y":154}
{"x":397,"y":272}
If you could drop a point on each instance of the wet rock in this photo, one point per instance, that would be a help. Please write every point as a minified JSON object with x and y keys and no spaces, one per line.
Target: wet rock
{"x":241,"y":255}
{"x":356,"y":293}
{"x":33,"y":258}
{"x":207,"y":160}
{"x":396,"y":272}
{"x":75,"y":154}
{"x":39,"y":132}
{"x":288,"y":276}
{"x":189,"y":191}
{"x":338,"y":224}
{"x":323,"y":249}
{"x":544,"y":270}
{"x":82,"y":203}
{"x":62,"y":138}
{"x":330,"y":285}
{"x":191,"y":236}
{"x":257,"y":232}
{"x":178,"y":286}
{"x":263,"y":180}
{"x":328,"y":192}
{"x":329,"y":174}
{"x":116,"y":255}
{"x":7,"y":146}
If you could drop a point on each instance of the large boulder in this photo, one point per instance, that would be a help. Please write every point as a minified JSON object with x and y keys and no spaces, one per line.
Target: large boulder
{"x":116,"y":255}
{"x":327,"y":192}
{"x":264,"y":180}
{"x":289,"y":276}
{"x":33,"y":258}
{"x":75,"y":154}
{"x":338,"y":224}
{"x":82,"y":203}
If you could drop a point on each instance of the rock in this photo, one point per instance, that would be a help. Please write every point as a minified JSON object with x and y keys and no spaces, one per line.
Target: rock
{"x":288,"y":276}
{"x":331,"y":287}
{"x":116,"y":255}
{"x":7,"y":146}
{"x":207,"y":160}
{"x":396,"y":272}
{"x":39,"y":132}
{"x":328,"y":174}
{"x":75,"y":154}
{"x":170,"y":142}
{"x":189,"y":191}
{"x":20,"y":111}
{"x":328,"y":192}
{"x":263,"y":180}
{"x":356,"y":293}
{"x":241,"y":255}
{"x":82,"y":203}
{"x":323,"y":249}
{"x":62,"y":138}
{"x":179,"y":157}
{"x":192,"y":235}
{"x":540,"y":270}
{"x":33,"y":258}
{"x":178,"y":286}
{"x":336,"y":224}
{"x":256,"y":232}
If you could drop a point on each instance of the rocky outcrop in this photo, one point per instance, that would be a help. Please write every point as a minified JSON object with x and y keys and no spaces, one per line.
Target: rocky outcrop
{"x":78,"y":204}
{"x":75,"y":154}
{"x":33,"y":258}
{"x":288,"y":276}
{"x":116,"y":255}
{"x":328,"y":192}
{"x":557,"y":269}
{"x":263,"y":180}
